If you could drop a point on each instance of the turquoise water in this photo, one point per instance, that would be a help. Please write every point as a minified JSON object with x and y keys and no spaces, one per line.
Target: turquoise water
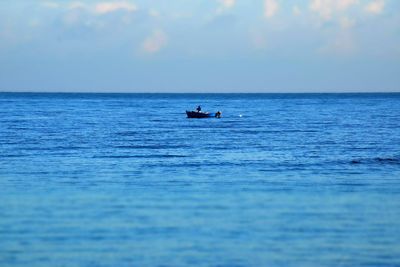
{"x":128,"y":180}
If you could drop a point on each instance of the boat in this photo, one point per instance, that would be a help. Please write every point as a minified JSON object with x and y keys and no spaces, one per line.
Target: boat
{"x":200,"y":114}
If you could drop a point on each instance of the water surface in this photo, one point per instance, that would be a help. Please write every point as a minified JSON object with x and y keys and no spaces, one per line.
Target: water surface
{"x":127,"y":180}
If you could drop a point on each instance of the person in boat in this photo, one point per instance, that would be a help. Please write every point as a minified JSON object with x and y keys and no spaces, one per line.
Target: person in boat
{"x":198,"y":109}
{"x":218,"y":114}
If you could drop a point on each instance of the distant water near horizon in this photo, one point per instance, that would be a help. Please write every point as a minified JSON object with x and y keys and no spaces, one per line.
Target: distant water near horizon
{"x":128,"y":180}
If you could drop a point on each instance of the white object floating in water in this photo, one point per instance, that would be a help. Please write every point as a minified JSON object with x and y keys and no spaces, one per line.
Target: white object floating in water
{"x":240,"y":115}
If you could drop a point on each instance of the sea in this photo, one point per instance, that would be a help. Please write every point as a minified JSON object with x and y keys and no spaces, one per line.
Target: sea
{"x":128,"y":180}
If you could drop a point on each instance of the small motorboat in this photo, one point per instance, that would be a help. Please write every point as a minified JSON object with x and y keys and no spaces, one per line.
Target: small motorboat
{"x":200,"y":114}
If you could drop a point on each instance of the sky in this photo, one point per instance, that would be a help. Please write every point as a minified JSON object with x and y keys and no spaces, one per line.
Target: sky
{"x":200,"y":46}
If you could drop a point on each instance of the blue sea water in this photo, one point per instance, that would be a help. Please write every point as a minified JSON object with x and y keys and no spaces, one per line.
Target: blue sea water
{"x":128,"y":180}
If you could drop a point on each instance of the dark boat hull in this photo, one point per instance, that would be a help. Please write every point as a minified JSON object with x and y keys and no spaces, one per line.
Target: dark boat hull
{"x":199,"y":115}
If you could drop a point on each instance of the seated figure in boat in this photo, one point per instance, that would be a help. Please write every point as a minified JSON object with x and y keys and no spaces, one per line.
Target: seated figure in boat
{"x":198,"y":109}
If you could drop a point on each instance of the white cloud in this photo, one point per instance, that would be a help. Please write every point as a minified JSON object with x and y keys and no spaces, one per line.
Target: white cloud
{"x":375,"y":7}
{"x":71,"y":18}
{"x":346,"y":23}
{"x":157,"y":40}
{"x":50,"y":4}
{"x":296,"y":11}
{"x":259,"y":40}
{"x":107,"y":7}
{"x":76,"y":5}
{"x":98,"y":8}
{"x":225,"y":5}
{"x":154,"y":13}
{"x":228,"y":3}
{"x":345,"y":4}
{"x":343,"y":44}
{"x":34,"y":23}
{"x":271,"y":7}
{"x":322,"y":7}
{"x":326,"y":8}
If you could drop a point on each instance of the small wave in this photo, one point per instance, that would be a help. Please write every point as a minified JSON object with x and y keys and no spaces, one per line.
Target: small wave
{"x":127,"y":133}
{"x":352,"y":184}
{"x":140,"y":156}
{"x":151,"y":146}
{"x":388,"y":160}
{"x":377,"y":160}
{"x":12,"y":155}
{"x":56,"y":148}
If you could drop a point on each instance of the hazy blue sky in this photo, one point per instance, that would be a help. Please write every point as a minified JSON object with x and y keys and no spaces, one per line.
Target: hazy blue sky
{"x":200,"y":45}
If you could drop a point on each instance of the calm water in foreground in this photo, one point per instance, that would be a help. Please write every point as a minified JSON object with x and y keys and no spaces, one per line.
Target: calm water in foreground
{"x":127,"y":180}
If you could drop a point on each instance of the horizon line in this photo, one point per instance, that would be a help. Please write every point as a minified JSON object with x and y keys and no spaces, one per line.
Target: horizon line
{"x":197,"y":93}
